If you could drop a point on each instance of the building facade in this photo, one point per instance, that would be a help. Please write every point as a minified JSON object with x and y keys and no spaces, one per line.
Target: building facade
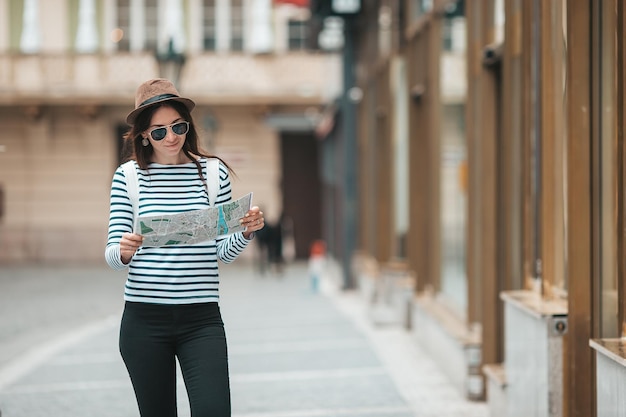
{"x":68,"y":74}
{"x":490,"y":170}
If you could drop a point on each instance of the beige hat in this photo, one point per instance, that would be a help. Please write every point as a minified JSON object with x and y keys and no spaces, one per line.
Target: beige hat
{"x":155,"y":91}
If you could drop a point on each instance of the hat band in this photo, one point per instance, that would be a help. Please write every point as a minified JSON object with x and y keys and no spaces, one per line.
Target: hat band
{"x":160,"y":97}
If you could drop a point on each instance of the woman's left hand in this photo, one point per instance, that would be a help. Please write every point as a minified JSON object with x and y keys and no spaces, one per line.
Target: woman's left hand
{"x":253,"y":221}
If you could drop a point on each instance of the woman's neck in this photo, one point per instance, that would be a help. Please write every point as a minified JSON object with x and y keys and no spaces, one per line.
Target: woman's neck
{"x":179,"y":159}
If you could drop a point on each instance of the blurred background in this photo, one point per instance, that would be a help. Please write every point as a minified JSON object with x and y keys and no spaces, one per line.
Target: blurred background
{"x":68,"y":74}
{"x":460,"y":163}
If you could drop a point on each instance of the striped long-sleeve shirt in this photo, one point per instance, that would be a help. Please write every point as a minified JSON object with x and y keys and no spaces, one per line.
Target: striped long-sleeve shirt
{"x":170,"y":274}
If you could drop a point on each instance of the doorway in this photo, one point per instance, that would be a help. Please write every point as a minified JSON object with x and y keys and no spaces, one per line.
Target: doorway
{"x":301,"y":189}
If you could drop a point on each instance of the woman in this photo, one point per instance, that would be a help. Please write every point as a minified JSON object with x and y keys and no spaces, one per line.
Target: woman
{"x":171,"y":294}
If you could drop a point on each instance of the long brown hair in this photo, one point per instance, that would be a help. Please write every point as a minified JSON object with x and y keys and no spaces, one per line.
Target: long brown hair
{"x":134,"y":149}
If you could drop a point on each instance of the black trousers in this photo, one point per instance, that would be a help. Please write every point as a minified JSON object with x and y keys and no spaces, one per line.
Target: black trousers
{"x":152,"y":336}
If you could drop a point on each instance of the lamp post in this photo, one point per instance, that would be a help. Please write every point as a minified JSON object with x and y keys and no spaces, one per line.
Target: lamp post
{"x":171,"y":63}
{"x":348,"y":110}
{"x":341,"y":15}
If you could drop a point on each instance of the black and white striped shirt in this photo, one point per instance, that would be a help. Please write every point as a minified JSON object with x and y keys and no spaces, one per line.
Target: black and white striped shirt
{"x":170,"y":274}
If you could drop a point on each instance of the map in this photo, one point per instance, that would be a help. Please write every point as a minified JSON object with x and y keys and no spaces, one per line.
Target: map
{"x":194,"y":226}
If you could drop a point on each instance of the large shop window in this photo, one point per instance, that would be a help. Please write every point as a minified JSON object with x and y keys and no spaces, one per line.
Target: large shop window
{"x":137,"y":25}
{"x":401,"y":158}
{"x":499,"y":19}
{"x":30,"y":40}
{"x":85,"y":27}
{"x":546,"y":182}
{"x":454,"y":168}
{"x":419,"y":7}
{"x":236,"y":25}
{"x":123,"y":25}
{"x":152,"y":26}
{"x":606,"y":174}
{"x":551,"y":264}
{"x":513,"y":182}
{"x":209,"y":25}
{"x":297,"y":34}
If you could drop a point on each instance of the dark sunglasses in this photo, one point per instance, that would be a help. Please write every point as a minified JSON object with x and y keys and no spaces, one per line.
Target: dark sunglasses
{"x":159,"y":133}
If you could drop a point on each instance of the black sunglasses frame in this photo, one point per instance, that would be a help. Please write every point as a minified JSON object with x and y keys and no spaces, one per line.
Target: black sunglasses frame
{"x":172,"y":127}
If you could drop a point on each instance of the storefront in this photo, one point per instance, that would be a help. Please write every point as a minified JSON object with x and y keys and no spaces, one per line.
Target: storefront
{"x":491,"y":164}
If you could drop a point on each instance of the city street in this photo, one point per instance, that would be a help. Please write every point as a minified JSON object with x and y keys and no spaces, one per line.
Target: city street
{"x":293,"y":352}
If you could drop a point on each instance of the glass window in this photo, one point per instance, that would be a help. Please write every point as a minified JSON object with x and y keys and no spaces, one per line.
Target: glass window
{"x":454,"y":204}
{"x":608,"y":164}
{"x":401,"y":158}
{"x":146,"y":20}
{"x":209,"y":25}
{"x":447,"y":34}
{"x":548,"y":150}
{"x":515,"y":272}
{"x":533,"y":265}
{"x":123,"y":25}
{"x":151,"y":25}
{"x":453,"y":27}
{"x":236,"y":25}
{"x":30,"y":41}
{"x":385,"y":25}
{"x":454,"y":168}
{"x":297,"y":32}
{"x":419,"y":7}
{"x":498,"y":21}
{"x":86,"y":38}
{"x":558,"y":53}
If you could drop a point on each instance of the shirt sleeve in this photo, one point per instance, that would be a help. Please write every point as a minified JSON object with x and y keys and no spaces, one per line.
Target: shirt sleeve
{"x":120,"y":220}
{"x":228,"y":248}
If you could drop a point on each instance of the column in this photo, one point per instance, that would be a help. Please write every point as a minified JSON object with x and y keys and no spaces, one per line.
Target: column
{"x":5,"y":27}
{"x":110,"y":24}
{"x":137,"y":25}
{"x":173,"y":35}
{"x":195,"y":22}
{"x":222,"y":25}
{"x":30,"y":41}
{"x":259,"y":36}
{"x":87,"y":34}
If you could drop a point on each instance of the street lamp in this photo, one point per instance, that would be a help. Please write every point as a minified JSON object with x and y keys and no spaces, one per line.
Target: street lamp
{"x":339,"y":32}
{"x":171,"y":63}
{"x":346,"y":6}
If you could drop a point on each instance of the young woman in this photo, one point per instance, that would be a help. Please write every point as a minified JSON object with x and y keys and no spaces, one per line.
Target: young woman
{"x":172,"y":292}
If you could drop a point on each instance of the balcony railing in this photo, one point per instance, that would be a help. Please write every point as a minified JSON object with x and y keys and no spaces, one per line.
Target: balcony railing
{"x":209,"y":78}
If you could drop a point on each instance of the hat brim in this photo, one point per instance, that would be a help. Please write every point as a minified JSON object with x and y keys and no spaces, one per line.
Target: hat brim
{"x":132,"y":116}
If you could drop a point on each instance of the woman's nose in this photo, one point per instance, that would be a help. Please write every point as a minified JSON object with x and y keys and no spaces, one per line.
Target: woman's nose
{"x":169,"y":133}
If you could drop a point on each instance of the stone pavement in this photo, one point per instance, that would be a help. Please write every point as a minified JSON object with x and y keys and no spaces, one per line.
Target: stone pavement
{"x":293,"y":353}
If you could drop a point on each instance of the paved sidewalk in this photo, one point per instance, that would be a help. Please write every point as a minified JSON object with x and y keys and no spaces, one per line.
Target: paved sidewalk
{"x":293,"y":353}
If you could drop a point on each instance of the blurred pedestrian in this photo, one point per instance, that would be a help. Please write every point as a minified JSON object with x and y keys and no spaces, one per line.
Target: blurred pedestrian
{"x":270,"y":247}
{"x":171,"y":294}
{"x":289,"y":241}
{"x":317,"y":262}
{"x":263,"y":238}
{"x":276,"y":247}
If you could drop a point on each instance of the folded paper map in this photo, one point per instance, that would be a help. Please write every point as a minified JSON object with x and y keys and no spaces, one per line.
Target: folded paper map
{"x":194,"y":226}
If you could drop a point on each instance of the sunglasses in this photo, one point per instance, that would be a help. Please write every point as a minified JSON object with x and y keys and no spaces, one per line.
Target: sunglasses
{"x":159,"y":133}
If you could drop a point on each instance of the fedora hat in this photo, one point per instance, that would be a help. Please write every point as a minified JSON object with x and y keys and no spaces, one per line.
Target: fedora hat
{"x":155,"y":91}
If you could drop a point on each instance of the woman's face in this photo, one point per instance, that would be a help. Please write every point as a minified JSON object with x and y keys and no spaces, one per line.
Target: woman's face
{"x":169,"y":149}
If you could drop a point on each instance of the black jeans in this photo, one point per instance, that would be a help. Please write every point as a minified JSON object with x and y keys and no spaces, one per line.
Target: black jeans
{"x":152,"y":335}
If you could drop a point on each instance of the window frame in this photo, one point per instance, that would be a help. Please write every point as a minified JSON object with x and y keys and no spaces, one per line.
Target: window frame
{"x":209,"y":25}
{"x":237,"y":25}
{"x":552,"y":128}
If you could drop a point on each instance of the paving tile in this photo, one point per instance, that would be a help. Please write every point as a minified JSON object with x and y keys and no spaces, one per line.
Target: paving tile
{"x":292,"y":353}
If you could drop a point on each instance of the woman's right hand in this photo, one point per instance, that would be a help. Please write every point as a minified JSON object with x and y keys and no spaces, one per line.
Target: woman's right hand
{"x":129,"y":244}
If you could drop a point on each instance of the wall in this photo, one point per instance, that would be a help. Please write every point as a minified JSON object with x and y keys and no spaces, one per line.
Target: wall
{"x":56,"y":169}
